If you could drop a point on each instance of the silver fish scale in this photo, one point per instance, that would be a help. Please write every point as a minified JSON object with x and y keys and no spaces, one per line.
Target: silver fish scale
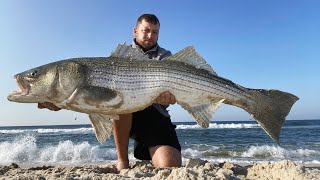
{"x":130,"y":76}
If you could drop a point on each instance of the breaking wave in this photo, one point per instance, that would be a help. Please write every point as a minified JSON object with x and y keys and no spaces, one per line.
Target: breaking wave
{"x":253,"y":153}
{"x":220,"y":126}
{"x":240,"y":142}
{"x":25,"y":150}
{"x":90,"y":130}
{"x":47,"y":130}
{"x":279,"y":152}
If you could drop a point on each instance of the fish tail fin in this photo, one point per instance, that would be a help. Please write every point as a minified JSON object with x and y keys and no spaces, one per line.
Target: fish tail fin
{"x":270,"y":108}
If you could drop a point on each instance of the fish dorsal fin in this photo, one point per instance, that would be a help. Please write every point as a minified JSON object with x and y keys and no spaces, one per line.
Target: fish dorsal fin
{"x":190,"y":56}
{"x":102,"y":125}
{"x":127,"y":51}
{"x":203,"y":113}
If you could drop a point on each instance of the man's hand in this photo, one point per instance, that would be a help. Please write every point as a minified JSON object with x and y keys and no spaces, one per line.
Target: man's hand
{"x":49,"y":106}
{"x":165,"y":98}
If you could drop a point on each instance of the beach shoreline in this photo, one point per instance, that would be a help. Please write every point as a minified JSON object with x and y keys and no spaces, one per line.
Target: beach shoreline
{"x":193,"y":169}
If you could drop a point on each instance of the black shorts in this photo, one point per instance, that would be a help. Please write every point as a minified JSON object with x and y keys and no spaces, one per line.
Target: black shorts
{"x":151,"y":128}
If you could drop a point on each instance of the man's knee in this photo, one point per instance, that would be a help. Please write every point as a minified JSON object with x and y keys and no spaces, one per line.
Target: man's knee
{"x":165,"y":156}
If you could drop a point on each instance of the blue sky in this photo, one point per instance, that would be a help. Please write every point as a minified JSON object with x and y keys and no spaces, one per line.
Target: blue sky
{"x":267,"y":44}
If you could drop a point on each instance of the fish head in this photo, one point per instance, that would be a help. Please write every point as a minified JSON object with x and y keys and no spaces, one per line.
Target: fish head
{"x":52,"y":82}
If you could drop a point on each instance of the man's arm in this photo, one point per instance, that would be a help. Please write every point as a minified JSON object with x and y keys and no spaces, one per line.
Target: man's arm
{"x":121,"y":133}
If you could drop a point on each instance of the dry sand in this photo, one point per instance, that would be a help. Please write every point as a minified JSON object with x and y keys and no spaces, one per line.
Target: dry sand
{"x":194,"y":169}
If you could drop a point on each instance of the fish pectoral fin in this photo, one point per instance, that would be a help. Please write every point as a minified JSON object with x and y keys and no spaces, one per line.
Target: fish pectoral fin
{"x":100,"y":96}
{"x":203,"y":113}
{"x":102,"y":125}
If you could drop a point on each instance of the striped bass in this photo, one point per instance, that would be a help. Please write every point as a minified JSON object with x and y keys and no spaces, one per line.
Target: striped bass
{"x":127,"y":81}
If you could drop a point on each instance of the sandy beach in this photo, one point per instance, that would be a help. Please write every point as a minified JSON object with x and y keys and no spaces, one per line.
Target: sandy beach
{"x":193,"y":169}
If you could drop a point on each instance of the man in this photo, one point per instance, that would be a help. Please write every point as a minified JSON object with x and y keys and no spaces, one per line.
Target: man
{"x":154,"y":134}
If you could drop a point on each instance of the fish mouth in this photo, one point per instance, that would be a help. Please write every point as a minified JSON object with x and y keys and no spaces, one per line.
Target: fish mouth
{"x":24,"y":87}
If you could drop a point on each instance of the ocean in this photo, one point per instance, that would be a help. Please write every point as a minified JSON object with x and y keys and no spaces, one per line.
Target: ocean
{"x":240,"y":142}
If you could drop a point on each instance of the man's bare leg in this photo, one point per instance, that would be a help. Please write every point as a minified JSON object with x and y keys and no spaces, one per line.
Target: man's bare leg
{"x":165,"y":156}
{"x":121,"y":132}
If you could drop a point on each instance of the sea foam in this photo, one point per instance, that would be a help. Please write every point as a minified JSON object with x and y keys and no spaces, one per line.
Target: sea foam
{"x":252,"y":153}
{"x":24,"y":149}
{"x":220,"y":126}
{"x":47,"y":130}
{"x":279,"y":152}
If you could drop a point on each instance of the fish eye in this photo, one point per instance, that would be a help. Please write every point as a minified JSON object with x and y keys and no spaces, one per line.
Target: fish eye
{"x":34,"y":73}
